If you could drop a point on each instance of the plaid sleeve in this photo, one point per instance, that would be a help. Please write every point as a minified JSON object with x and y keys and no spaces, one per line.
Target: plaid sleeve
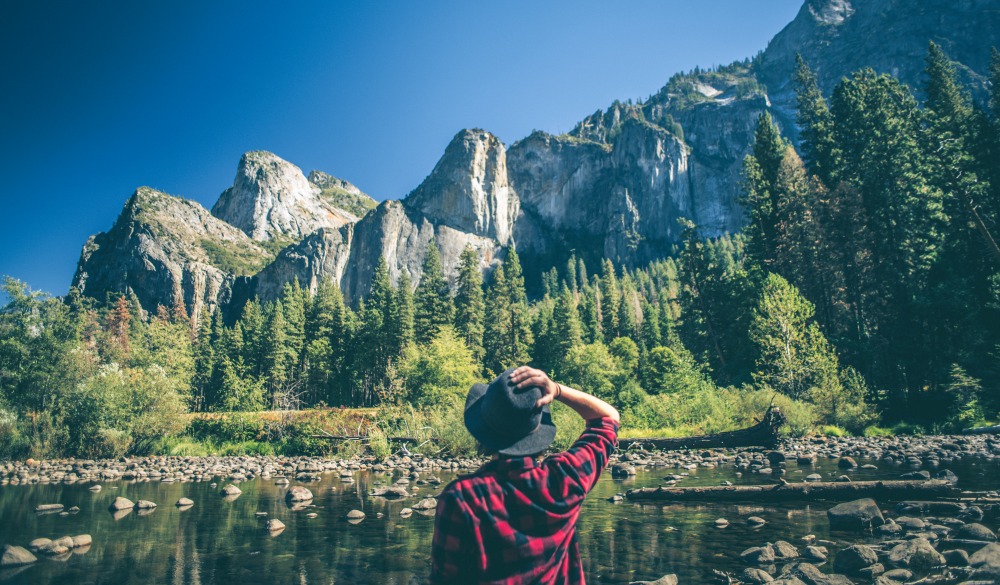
{"x":578,"y":468}
{"x":450,"y":559}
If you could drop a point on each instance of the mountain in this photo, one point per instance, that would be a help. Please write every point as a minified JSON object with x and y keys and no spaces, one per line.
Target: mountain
{"x":164,"y":249}
{"x":613,"y":187}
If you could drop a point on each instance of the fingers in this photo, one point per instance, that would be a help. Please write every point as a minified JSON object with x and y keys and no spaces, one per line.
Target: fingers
{"x":546,"y":398}
{"x":538,"y":379}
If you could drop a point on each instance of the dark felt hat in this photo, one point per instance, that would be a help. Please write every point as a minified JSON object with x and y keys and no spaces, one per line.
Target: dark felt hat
{"x":504,"y":419}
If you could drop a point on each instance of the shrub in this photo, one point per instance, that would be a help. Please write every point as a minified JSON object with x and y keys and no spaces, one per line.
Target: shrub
{"x":833,"y":431}
{"x":235,"y":427}
{"x":874,"y":431}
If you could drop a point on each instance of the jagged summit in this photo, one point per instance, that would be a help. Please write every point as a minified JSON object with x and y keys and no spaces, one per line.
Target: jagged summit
{"x":468,"y":189}
{"x":272,"y":200}
{"x":614,"y":187}
{"x":163,"y":249}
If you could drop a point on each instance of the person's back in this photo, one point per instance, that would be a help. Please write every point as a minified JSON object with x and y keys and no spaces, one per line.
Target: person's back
{"x":514,"y":520}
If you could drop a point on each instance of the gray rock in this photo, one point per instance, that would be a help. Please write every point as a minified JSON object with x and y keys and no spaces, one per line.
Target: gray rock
{"x":49,"y":508}
{"x":917,"y":554}
{"x":38,"y":543}
{"x":854,"y":558}
{"x":82,"y":540}
{"x":975,"y":531}
{"x":856,"y":515}
{"x":15,"y":556}
{"x":756,"y":576}
{"x":758,"y":555}
{"x":847,"y":463}
{"x":121,"y":503}
{"x":298,"y":493}
{"x":231,"y":490}
{"x":425,"y":504}
{"x":664,"y":580}
{"x":816,"y":553}
{"x":811,"y":575}
{"x":956,"y":558}
{"x":355,"y":515}
{"x":985,"y":562}
{"x":184,"y":502}
{"x":145,"y":505}
{"x":274,"y":525}
{"x":784,"y":551}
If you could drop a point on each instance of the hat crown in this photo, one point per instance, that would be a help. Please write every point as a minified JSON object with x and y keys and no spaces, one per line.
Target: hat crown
{"x":510,"y":411}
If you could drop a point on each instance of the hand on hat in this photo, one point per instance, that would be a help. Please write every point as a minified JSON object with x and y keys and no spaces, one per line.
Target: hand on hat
{"x":527,"y":376}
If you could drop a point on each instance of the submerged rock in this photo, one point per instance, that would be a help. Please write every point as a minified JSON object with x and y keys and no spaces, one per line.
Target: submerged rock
{"x":856,"y":515}
{"x":15,"y":556}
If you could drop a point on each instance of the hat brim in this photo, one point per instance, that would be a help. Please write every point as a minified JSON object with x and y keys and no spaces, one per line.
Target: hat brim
{"x":533,"y":443}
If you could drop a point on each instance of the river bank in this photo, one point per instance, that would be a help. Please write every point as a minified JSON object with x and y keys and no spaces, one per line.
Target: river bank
{"x":624,"y":541}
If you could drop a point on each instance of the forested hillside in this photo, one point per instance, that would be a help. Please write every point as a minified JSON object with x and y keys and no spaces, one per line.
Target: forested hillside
{"x":865,"y":291}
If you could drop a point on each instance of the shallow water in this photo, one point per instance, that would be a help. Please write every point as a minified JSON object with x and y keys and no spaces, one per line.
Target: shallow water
{"x":219,"y":541}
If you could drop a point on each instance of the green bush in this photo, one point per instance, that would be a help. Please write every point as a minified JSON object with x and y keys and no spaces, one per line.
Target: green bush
{"x":874,"y":431}
{"x":299,"y":440}
{"x":833,"y":431}
{"x":236,"y":427}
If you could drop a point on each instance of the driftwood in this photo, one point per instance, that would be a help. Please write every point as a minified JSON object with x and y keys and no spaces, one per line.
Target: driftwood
{"x":801,"y":492}
{"x":762,"y":434}
{"x":363,"y":438}
{"x":993,"y":430}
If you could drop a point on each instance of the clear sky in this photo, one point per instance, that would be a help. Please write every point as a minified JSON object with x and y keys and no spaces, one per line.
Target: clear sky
{"x":98,"y":98}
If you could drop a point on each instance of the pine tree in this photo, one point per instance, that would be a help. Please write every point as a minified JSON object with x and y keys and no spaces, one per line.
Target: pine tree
{"x":590,"y":315}
{"x":470,"y":310}
{"x":818,"y":144}
{"x":274,"y":347}
{"x":610,"y":301}
{"x":379,"y":341}
{"x":404,"y":316}
{"x":295,"y":304}
{"x":434,"y":306}
{"x":508,"y":335}
{"x":568,"y":331}
{"x":761,"y":171}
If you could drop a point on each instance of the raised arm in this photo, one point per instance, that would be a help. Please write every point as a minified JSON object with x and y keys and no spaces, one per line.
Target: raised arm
{"x":586,"y":405}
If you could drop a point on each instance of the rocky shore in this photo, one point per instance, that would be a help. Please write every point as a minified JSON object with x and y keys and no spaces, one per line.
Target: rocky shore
{"x":946,"y":541}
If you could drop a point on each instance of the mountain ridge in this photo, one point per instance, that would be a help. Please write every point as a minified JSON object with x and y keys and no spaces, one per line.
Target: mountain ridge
{"x":613,"y":187}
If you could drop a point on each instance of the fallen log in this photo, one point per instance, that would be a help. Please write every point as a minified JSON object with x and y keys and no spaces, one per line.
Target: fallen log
{"x":363,"y":438}
{"x":762,"y":434}
{"x":993,"y":430}
{"x":801,"y":492}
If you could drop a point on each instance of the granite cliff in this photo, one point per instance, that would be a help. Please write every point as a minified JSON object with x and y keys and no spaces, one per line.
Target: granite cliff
{"x":614,"y":187}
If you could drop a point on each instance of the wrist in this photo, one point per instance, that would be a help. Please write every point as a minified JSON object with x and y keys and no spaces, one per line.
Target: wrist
{"x":559,"y":391}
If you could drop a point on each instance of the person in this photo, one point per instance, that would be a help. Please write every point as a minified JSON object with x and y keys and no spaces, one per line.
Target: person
{"x":514,"y":520}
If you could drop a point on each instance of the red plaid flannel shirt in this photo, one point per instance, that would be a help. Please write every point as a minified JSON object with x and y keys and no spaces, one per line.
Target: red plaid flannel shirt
{"x":514,"y":520}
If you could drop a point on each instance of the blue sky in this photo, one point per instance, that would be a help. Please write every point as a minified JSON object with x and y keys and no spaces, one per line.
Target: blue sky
{"x":99,"y":98}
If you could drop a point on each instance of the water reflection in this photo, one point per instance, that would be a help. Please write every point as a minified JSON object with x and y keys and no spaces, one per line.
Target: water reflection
{"x":223,"y":540}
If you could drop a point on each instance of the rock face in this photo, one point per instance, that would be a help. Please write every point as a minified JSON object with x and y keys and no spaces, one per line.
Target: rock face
{"x":166,"y":249}
{"x":468,"y":189}
{"x":272,"y":200}
{"x":614,"y":187}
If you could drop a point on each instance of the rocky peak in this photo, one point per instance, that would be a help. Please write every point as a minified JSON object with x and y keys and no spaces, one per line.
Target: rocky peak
{"x":272,"y":200}
{"x":327,"y":181}
{"x":829,"y":12}
{"x":468,"y":189}
{"x":166,"y":249}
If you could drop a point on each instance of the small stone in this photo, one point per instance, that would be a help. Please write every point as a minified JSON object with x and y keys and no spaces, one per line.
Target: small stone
{"x":14,"y":556}
{"x":82,"y":540}
{"x":355,"y":515}
{"x":38,"y":543}
{"x":756,"y":521}
{"x":975,"y":531}
{"x":49,"y":508}
{"x":956,"y":558}
{"x":816,"y":553}
{"x":756,"y":576}
{"x":95,"y":488}
{"x":847,"y":463}
{"x":145,"y":505}
{"x":784,"y":551}
{"x":231,"y":490}
{"x":916,"y":554}
{"x":274,"y":525}
{"x":184,"y":502}
{"x":312,"y":515}
{"x":426,"y":504}
{"x":758,"y":555}
{"x":121,"y":503}
{"x":854,"y":558}
{"x":298,"y":493}
{"x":721,"y":522}
{"x":406,"y":512}
{"x":664,"y":580}
{"x":856,"y":515}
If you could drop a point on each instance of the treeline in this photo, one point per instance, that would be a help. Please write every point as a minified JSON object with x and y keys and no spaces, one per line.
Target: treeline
{"x":865,"y":289}
{"x":887,"y":224}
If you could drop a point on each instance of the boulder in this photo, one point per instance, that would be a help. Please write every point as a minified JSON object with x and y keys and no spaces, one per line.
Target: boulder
{"x":664,"y":580}
{"x":231,"y":490}
{"x":784,"y":551}
{"x":758,"y":555}
{"x":425,"y":504}
{"x":854,"y":558}
{"x":274,"y":525}
{"x":298,"y":493}
{"x":811,"y":575}
{"x":121,"y":503}
{"x":184,"y":502}
{"x":985,"y":562}
{"x":917,"y":554}
{"x":856,"y":515}
{"x":975,"y":531}
{"x":15,"y":556}
{"x":145,"y":505}
{"x":847,"y":463}
{"x":756,"y":576}
{"x":355,"y":515}
{"x":82,"y":540}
